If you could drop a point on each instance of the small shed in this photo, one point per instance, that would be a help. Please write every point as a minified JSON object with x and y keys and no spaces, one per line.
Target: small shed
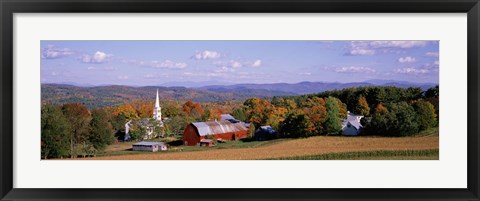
{"x":206,"y":143}
{"x":149,"y":146}
{"x":265,"y":133}
{"x":225,"y":117}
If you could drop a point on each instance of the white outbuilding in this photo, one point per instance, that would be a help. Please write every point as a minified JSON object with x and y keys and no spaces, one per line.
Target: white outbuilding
{"x":351,"y":125}
{"x":149,"y":146}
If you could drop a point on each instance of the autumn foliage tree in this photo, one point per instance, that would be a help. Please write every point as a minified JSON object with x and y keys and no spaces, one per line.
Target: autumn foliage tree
{"x":257,"y":111}
{"x":316,"y":113}
{"x":143,"y":109}
{"x":192,"y":109}
{"x":362,"y":107}
{"x":126,"y":110}
{"x":79,"y":118}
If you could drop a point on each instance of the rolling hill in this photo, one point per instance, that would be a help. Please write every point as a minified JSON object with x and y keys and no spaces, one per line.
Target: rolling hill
{"x":101,"y":96}
{"x":313,"y":87}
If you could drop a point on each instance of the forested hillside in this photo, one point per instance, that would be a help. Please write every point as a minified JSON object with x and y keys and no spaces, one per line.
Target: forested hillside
{"x":102,"y":96}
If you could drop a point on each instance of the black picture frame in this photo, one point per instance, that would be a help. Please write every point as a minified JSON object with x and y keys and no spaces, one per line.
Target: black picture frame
{"x":10,"y":7}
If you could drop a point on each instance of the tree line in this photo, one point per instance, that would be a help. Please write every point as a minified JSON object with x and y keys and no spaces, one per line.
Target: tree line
{"x":72,"y":130}
{"x":388,"y":111}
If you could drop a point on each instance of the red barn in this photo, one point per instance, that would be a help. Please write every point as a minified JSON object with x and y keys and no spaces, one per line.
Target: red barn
{"x":225,"y":130}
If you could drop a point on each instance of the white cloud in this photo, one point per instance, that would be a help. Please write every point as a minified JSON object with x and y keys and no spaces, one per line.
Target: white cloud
{"x":354,"y":69}
{"x":406,"y":59}
{"x":224,"y":69}
{"x":361,"y":51}
{"x":432,"y":54}
{"x":235,"y":64}
{"x":397,"y":44}
{"x":257,"y":63}
{"x":206,"y":54}
{"x":157,"y":64}
{"x":97,"y":58}
{"x":305,"y":73}
{"x":371,"y":47}
{"x":228,"y":64}
{"x":107,"y":68}
{"x":166,"y":64}
{"x":52,"y":52}
{"x":150,"y":76}
{"x":412,"y":70}
{"x":124,"y":77}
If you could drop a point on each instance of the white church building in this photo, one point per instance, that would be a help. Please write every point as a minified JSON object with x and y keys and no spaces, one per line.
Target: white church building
{"x":147,"y":123}
{"x":157,"y":110}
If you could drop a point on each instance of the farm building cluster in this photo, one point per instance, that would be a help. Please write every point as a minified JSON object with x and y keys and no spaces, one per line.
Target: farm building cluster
{"x":210,"y":132}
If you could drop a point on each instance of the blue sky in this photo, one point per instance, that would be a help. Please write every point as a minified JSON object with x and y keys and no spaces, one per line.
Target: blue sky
{"x":141,"y":63}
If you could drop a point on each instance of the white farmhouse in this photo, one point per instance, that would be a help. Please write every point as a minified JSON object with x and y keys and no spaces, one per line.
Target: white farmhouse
{"x":351,"y":125}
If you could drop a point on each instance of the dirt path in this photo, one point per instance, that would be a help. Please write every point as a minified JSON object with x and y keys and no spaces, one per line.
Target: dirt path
{"x":298,"y":147}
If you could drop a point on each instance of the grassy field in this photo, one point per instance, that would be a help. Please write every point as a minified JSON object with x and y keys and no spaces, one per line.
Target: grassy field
{"x":429,"y":154}
{"x":423,"y":146}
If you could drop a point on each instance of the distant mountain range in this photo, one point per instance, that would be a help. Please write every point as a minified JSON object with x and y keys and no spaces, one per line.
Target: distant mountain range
{"x":101,"y":96}
{"x":313,"y":87}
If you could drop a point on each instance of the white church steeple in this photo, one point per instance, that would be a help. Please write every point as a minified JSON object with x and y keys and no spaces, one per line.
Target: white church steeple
{"x":157,"y":110}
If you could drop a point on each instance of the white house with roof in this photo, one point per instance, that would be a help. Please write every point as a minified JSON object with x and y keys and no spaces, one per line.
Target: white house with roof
{"x":352,"y":125}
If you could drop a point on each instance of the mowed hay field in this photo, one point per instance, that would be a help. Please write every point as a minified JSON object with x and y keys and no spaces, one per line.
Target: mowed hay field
{"x":307,"y":148}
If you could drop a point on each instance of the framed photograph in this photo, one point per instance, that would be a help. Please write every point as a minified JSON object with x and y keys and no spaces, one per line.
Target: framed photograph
{"x":237,"y":100}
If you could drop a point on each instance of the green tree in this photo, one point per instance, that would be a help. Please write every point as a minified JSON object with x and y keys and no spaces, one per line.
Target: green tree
{"x":399,"y":120}
{"x":296,"y":124}
{"x":332,"y":121}
{"x":239,"y":113}
{"x":79,"y":118}
{"x":403,"y":119}
{"x":206,"y":115}
{"x":432,"y":92}
{"x":426,"y":116}
{"x":101,"y":130}
{"x":379,"y":123}
{"x":432,"y":96}
{"x":55,"y":133}
{"x":251,"y":131}
{"x":177,"y":124}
